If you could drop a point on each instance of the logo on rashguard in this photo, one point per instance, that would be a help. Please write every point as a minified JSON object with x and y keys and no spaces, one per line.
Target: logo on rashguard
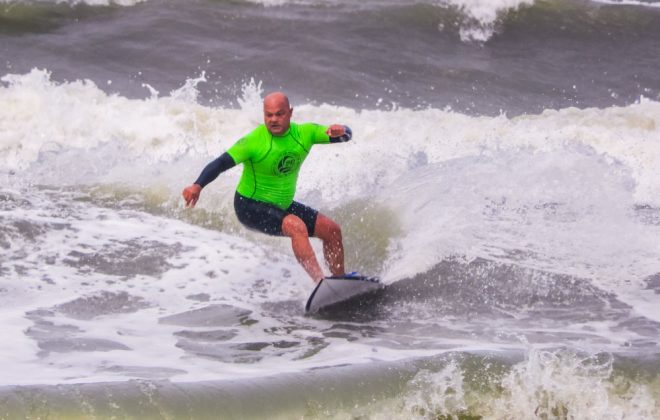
{"x":287,"y":164}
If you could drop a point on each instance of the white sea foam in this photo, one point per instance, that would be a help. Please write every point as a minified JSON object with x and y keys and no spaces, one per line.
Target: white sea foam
{"x":75,"y":250}
{"x":548,"y":384}
{"x":211,"y":263}
{"x":562,"y":384}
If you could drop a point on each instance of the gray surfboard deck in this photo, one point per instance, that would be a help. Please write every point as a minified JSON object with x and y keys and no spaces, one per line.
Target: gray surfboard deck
{"x":332,"y":290}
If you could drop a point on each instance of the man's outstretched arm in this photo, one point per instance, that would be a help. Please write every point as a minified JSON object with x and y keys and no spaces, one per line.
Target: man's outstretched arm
{"x":209,"y":173}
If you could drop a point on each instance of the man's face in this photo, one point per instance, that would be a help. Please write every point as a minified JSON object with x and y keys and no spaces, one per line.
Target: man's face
{"x":277,"y":116}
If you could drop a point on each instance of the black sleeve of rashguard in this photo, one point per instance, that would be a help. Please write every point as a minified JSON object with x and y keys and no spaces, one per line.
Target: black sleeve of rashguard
{"x":215,"y":168}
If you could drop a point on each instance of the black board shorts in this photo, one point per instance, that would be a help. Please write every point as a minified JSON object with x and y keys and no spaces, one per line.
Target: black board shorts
{"x":268,"y":218}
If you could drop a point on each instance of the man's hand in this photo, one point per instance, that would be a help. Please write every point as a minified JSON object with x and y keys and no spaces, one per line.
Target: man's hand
{"x":191,"y":194}
{"x":339,"y":133}
{"x":335,"y":130}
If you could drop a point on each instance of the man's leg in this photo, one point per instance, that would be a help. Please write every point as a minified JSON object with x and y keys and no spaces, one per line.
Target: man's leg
{"x":294,"y":227}
{"x":333,"y":248}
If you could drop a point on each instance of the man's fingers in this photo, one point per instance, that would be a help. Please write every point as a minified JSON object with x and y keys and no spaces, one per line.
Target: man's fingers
{"x":191,"y":200}
{"x":190,"y":196}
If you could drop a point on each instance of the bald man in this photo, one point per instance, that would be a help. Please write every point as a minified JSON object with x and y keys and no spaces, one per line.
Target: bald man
{"x":271,"y":156}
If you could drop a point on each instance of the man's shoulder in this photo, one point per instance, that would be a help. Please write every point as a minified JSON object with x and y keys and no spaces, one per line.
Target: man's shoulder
{"x":307,"y":128}
{"x":306,"y":125}
{"x":249,"y":142}
{"x":258,"y":131}
{"x":256,"y":134}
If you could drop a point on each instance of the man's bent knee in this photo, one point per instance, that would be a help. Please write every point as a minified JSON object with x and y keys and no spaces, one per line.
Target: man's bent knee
{"x":293,"y":226}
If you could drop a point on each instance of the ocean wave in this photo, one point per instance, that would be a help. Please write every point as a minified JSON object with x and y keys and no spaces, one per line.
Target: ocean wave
{"x":642,"y":3}
{"x":23,"y":3}
{"x":46,"y":120}
{"x":482,"y":23}
{"x":478,"y":21}
{"x":547,"y":383}
{"x":471,"y":21}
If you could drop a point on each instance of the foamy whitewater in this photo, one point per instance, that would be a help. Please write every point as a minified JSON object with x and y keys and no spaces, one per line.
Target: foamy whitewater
{"x":503,"y":180}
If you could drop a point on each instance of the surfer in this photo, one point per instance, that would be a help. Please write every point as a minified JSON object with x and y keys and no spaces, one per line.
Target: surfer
{"x":271,"y":156}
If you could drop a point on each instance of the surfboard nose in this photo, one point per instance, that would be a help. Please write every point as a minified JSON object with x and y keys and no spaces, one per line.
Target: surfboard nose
{"x":335,"y":289}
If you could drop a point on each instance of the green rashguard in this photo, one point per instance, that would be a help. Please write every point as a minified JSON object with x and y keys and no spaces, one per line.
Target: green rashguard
{"x":272,"y":163}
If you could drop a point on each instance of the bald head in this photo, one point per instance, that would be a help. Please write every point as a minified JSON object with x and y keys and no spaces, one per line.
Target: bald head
{"x":277,"y":113}
{"x":276,"y":99}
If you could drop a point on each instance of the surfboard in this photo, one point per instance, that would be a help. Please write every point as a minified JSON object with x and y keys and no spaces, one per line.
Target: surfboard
{"x":332,"y":290}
